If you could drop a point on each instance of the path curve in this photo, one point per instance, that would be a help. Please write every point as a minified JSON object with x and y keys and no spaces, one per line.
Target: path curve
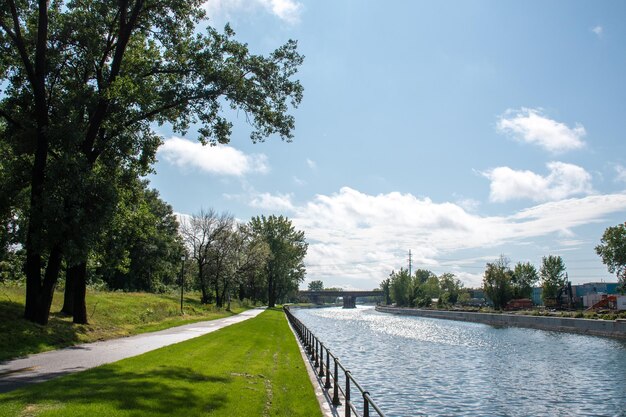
{"x":47,"y":365}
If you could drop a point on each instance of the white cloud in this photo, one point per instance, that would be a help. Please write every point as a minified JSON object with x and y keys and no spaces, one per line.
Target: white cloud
{"x":267,"y":201}
{"x":287,"y":10}
{"x":563,"y":181}
{"x":311,"y":163}
{"x":598,"y":30}
{"x":531,"y":126}
{"x":219,"y":159}
{"x":621,"y":173}
{"x":358,"y":238}
{"x":299,"y":182}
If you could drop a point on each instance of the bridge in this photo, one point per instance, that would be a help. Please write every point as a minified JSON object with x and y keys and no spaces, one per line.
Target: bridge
{"x":349,"y":297}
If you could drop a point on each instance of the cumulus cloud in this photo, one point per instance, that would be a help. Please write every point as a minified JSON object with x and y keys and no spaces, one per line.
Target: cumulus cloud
{"x":267,"y":201}
{"x":287,"y":10}
{"x":563,"y":181}
{"x":218,"y":160}
{"x":357,"y":239}
{"x":531,"y":126}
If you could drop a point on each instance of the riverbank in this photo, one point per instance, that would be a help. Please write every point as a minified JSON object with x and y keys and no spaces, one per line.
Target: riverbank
{"x":253,"y":368}
{"x":111,"y":315}
{"x":608,"y":328}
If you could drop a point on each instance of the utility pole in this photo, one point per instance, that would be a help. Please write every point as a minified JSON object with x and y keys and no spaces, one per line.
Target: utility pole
{"x":410,"y":262}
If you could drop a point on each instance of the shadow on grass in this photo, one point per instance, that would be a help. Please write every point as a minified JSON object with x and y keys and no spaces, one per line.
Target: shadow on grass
{"x":166,"y":391}
{"x":21,"y":337}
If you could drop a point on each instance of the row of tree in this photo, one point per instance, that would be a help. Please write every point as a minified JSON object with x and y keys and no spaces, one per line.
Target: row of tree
{"x":502,"y":284}
{"x":82,"y":86}
{"x":419,"y":289}
{"x":262,"y":260}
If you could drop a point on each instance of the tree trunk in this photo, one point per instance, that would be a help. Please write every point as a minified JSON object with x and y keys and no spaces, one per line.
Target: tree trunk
{"x":80,"y":291}
{"x":46,"y":293}
{"x":205,"y":296}
{"x":271,"y":292}
{"x":68,"y":296}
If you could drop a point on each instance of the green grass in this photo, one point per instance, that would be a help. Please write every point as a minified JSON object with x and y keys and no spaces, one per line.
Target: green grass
{"x":110,"y":314}
{"x":248,"y":369}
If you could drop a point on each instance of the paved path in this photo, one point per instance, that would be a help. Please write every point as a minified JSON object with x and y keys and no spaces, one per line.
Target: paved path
{"x":44,"y":366}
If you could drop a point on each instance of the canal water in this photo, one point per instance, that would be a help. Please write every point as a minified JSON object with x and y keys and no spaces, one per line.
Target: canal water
{"x":415,"y":366}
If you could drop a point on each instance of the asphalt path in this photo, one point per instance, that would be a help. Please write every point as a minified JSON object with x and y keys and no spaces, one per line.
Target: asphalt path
{"x":47,"y":365}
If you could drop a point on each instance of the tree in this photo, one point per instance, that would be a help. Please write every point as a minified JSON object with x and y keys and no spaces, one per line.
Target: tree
{"x":316,"y":285}
{"x":552,"y":273}
{"x":612,"y":250}
{"x":400,"y":287}
{"x":385,"y":286}
{"x":252,"y":254}
{"x":140,"y":250}
{"x":200,"y":233}
{"x":497,"y":282}
{"x":450,"y":288}
{"x":84,"y":83}
{"x":524,"y":278}
{"x":285,"y":267}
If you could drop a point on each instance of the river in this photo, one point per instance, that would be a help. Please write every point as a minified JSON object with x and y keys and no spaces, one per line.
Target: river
{"x":416,"y":366}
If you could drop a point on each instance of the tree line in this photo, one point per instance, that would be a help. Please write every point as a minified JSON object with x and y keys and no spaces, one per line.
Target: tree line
{"x":421,"y":288}
{"x":501,"y":283}
{"x":262,"y":260}
{"x":82,"y":86}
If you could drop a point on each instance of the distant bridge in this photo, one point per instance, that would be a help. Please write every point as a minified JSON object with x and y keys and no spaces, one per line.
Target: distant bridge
{"x":349,"y":297}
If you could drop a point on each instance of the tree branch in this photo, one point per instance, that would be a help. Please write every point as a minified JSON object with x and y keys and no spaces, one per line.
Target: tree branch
{"x":16,"y":36}
{"x":9,"y":119}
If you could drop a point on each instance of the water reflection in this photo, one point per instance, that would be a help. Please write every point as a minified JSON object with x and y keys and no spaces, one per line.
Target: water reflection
{"x":422,"y":366}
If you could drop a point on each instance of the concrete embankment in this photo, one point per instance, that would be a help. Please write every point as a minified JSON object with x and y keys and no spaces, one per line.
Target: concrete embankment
{"x":609,"y":328}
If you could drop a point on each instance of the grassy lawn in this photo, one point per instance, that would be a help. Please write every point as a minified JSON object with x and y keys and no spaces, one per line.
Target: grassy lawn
{"x":111,"y":314}
{"x":248,"y":369}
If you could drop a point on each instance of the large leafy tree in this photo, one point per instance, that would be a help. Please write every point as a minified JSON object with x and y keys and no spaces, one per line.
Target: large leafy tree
{"x":552,"y":273}
{"x":316,"y":285}
{"x":285,"y":268}
{"x":497,"y":282}
{"x":612,"y":250}
{"x":84,"y":84}
{"x":400,"y":287}
{"x":524,"y":277}
{"x":141,"y":249}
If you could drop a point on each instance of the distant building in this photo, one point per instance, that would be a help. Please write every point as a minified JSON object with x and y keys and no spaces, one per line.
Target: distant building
{"x":595,"y":288}
{"x":581,"y":290}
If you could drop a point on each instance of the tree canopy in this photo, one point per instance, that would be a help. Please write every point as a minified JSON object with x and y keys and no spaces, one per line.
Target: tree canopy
{"x":287,"y":246}
{"x":612,"y":250}
{"x":552,"y":273}
{"x":84,"y":83}
{"x":497,"y":282}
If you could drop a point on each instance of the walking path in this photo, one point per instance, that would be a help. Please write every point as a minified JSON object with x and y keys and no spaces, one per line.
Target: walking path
{"x":44,"y":366}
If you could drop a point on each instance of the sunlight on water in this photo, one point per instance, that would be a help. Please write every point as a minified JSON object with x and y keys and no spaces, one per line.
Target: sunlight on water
{"x":421,"y":366}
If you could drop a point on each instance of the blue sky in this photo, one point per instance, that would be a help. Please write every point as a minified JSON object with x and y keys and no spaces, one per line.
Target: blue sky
{"x":457,"y":130}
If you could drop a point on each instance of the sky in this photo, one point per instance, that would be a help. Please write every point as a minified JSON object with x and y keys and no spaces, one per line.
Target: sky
{"x":459,"y":131}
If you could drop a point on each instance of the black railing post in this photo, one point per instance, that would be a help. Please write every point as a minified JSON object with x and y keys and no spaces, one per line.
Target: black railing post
{"x":327,"y":384}
{"x":313,"y":341}
{"x":317,"y":352}
{"x":347,"y":394}
{"x":366,"y":405}
{"x":321,"y":373}
{"x":336,"y":401}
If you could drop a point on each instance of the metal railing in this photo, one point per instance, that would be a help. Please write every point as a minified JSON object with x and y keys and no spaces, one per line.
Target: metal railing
{"x":330,"y":371}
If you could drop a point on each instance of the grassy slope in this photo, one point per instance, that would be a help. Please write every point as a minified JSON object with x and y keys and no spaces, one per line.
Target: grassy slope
{"x":111,"y":314}
{"x":249,"y":369}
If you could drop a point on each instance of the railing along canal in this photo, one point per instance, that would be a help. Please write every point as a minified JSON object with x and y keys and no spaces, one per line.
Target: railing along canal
{"x":318,"y":352}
